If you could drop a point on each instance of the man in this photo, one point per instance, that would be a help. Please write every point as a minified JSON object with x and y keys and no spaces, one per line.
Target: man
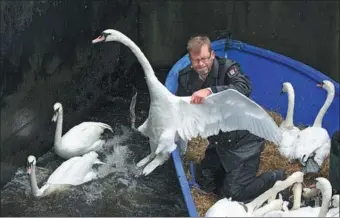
{"x":232,"y":159}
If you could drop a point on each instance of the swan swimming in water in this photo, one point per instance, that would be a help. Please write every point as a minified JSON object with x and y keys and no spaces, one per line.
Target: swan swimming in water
{"x":172,"y":118}
{"x":74,"y":171}
{"x":313,"y":144}
{"x":81,"y":139}
{"x":288,"y":130}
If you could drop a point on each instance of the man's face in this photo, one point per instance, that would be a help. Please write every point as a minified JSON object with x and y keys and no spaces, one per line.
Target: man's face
{"x":202,"y":61}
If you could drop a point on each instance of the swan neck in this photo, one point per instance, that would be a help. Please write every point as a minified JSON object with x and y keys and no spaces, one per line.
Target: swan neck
{"x":156,"y":88}
{"x":290,"y":110}
{"x":139,"y":55}
{"x":324,"y":206}
{"x":323,"y":110}
{"x":34,"y":185}
{"x":297,"y":196}
{"x":58,"y":131}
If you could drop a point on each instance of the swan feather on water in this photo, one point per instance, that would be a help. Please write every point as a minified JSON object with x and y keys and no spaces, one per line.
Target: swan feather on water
{"x":80,"y":139}
{"x":172,"y":118}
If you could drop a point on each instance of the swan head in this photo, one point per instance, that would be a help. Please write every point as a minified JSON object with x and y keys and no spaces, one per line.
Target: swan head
{"x":324,"y":186}
{"x":285,"y":87}
{"x":57,"y":107}
{"x":31,"y":161}
{"x":108,"y":35}
{"x":327,"y":85}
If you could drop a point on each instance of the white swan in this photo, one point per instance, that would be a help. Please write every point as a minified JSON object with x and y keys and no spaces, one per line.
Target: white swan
{"x":228,"y":208}
{"x":74,"y":171}
{"x":315,"y":140}
{"x":288,"y":130}
{"x":172,"y":117}
{"x":81,"y":139}
{"x":326,"y":189}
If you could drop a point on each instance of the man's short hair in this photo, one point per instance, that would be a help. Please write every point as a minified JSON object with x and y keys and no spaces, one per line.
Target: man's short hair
{"x":196,"y":42}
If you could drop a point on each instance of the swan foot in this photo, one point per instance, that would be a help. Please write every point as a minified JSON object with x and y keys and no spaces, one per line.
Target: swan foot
{"x":145,"y":160}
{"x":159,"y":160}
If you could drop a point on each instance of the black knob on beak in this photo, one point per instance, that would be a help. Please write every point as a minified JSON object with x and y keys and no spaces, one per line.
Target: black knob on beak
{"x":320,"y":84}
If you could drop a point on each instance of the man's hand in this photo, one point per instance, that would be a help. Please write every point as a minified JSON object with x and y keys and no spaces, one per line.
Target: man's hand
{"x":198,"y":96}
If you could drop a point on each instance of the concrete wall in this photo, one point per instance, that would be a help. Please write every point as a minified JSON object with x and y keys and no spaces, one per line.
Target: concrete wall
{"x":47,"y":56}
{"x":307,"y":31}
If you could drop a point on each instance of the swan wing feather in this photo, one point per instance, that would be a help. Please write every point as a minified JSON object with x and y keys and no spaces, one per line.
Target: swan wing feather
{"x":74,"y":170}
{"x":227,"y":111}
{"x":226,"y":208}
{"x":58,"y":175}
{"x":84,"y":134}
{"x":309,"y":140}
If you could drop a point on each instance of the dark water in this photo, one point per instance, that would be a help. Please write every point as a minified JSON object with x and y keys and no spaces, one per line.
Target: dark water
{"x":119,"y":192}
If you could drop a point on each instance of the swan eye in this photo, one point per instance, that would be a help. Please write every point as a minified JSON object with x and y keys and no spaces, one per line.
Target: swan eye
{"x":105,"y":34}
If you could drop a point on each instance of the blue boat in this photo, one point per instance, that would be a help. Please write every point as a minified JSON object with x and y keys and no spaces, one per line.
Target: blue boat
{"x":267,"y":71}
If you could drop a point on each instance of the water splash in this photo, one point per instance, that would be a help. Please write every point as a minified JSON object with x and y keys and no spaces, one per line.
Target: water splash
{"x":119,"y":190}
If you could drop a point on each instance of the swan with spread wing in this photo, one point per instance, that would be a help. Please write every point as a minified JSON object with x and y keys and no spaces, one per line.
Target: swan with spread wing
{"x":172,"y":117}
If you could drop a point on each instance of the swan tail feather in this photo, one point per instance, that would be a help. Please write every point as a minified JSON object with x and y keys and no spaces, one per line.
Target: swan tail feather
{"x":99,"y":162}
{"x":106,"y":134}
{"x":105,"y":126}
{"x":99,"y":124}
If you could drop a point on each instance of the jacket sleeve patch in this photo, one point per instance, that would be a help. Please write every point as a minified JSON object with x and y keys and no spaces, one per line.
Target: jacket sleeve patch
{"x":233,"y":71}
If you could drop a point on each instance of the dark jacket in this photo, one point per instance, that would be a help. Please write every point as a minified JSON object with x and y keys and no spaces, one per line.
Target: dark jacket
{"x":225,"y":74}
